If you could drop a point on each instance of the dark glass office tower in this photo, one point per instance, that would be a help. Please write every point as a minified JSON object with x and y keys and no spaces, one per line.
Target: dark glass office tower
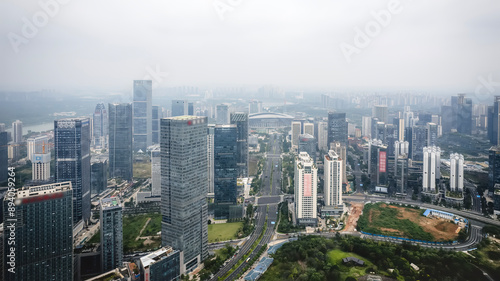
{"x":494,"y":168}
{"x":43,"y":233}
{"x":494,"y":122}
{"x":225,"y":169}
{"x":142,"y":124}
{"x":307,"y":143}
{"x":98,"y":176}
{"x":222,"y":114}
{"x":240,"y":119}
{"x":120,"y":141}
{"x":3,"y":156}
{"x":72,"y":156}
{"x":337,"y":128}
{"x":184,"y":186}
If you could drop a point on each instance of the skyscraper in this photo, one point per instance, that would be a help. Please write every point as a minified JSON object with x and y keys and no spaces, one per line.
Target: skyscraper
{"x":377,"y":164}
{"x":72,"y":156}
{"x":432,"y":134}
{"x":210,"y":157}
{"x":222,"y":115}
{"x":323,"y":136}
{"x":184,"y":187}
{"x":494,"y":122}
{"x":98,"y":176}
{"x":40,"y":167}
{"x":296,"y":131}
{"x":333,"y":179}
{"x":43,"y":233}
{"x":431,"y":169}
{"x":4,"y":160}
{"x":380,"y":112}
{"x":120,"y":141}
{"x":494,"y":168}
{"x":417,"y":138}
{"x":17,"y":131}
{"x":36,"y":145}
{"x":142,"y":114}
{"x":366,"y":126}
{"x":341,"y":152}
{"x":337,"y":128}
{"x":457,"y":172}
{"x":240,"y":119}
{"x":190,"y":108}
{"x":463,"y":107}
{"x":225,"y":169}
{"x":111,"y":233}
{"x":307,"y":143}
{"x":306,"y":188}
{"x":156,"y":116}
{"x":156,"y":171}
{"x":179,"y":107}
{"x":100,"y":127}
{"x":161,"y":265}
{"x":309,"y":128}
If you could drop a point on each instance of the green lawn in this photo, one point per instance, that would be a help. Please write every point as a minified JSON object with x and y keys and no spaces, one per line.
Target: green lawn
{"x":223,"y":231}
{"x":335,"y":256}
{"x":132,"y":226}
{"x":142,"y":170}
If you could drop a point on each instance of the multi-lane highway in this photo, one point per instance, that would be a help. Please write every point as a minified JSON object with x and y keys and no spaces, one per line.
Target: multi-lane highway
{"x":266,"y":211}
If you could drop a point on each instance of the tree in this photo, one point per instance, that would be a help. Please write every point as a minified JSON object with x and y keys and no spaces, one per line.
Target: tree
{"x":249,"y":210}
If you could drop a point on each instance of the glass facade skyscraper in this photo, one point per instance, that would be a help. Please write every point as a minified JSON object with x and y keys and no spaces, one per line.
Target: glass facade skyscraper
{"x":183,"y":146}
{"x":100,"y":126}
{"x":240,"y":119}
{"x":111,"y":233}
{"x":156,"y":124}
{"x":72,"y":156}
{"x":43,"y":233}
{"x":3,"y":156}
{"x":225,"y":169}
{"x":337,"y":128}
{"x":120,"y":141}
{"x":142,"y":113}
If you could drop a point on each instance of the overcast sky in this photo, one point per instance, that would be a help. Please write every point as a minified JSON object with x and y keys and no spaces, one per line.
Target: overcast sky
{"x":104,"y":45}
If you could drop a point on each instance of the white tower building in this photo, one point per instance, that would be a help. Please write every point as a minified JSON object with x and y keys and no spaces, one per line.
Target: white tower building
{"x":431,"y":169}
{"x":306,"y":183}
{"x":457,"y":172}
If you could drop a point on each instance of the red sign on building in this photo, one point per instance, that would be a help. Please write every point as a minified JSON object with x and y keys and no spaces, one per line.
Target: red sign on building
{"x":307,"y":185}
{"x":382,"y":160}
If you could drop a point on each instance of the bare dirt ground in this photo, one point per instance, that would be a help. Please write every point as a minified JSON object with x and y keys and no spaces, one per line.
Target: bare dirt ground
{"x":441,"y":229}
{"x":352,"y":220}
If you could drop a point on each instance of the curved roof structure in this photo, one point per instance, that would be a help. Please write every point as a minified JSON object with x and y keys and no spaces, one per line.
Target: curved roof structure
{"x":269,"y":115}
{"x":269,"y":120}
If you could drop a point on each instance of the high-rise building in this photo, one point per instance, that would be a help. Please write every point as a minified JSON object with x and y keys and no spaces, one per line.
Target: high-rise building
{"x":2,"y":127}
{"x":156,"y":171}
{"x":184,"y":188}
{"x":40,"y":167}
{"x":417,"y":138}
{"x":43,"y":233}
{"x":156,"y":116}
{"x":400,"y":127}
{"x":111,"y":233}
{"x":307,"y":143}
{"x":448,"y":119}
{"x":380,"y":112}
{"x":161,"y":265}
{"x":120,"y":141}
{"x":337,"y":128}
{"x":190,"y":108}
{"x":463,"y":107}
{"x":431,"y":168}
{"x":493,"y":121}
{"x":323,"y":136}
{"x":494,"y":168}
{"x":100,"y":126}
{"x":296,"y":131}
{"x":17,"y":131}
{"x":341,"y":152}
{"x":407,"y":116}
{"x":309,"y":128}
{"x":377,"y":164}
{"x":72,"y":156}
{"x":142,"y":114}
{"x":37,"y":145}
{"x":210,"y":157}
{"x":225,"y":169}
{"x":222,"y":115}
{"x":306,"y":188}
{"x":401,"y":173}
{"x":4,"y":160}
{"x":179,"y":107}
{"x":98,"y":176}
{"x":432,"y":134}
{"x":240,"y":119}
{"x":366,"y":126}
{"x":333,"y":179}
{"x":457,"y":172}
{"x":255,"y":107}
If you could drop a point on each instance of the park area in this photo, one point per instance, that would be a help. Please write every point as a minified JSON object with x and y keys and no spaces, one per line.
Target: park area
{"x":407,"y":222}
{"x":223,"y":231}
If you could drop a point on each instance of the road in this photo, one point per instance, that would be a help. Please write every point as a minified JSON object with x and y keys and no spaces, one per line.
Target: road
{"x":267,"y":209}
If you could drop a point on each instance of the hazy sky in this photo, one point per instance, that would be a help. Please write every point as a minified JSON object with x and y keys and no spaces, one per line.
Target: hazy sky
{"x":104,"y":45}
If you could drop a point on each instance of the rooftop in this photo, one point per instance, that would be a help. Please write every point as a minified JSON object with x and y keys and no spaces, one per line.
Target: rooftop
{"x":157,"y":255}
{"x":31,"y":191}
{"x":110,"y":202}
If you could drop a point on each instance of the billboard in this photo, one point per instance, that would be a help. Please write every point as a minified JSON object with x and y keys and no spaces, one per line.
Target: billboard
{"x":308,"y":185}
{"x":382,"y":161}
